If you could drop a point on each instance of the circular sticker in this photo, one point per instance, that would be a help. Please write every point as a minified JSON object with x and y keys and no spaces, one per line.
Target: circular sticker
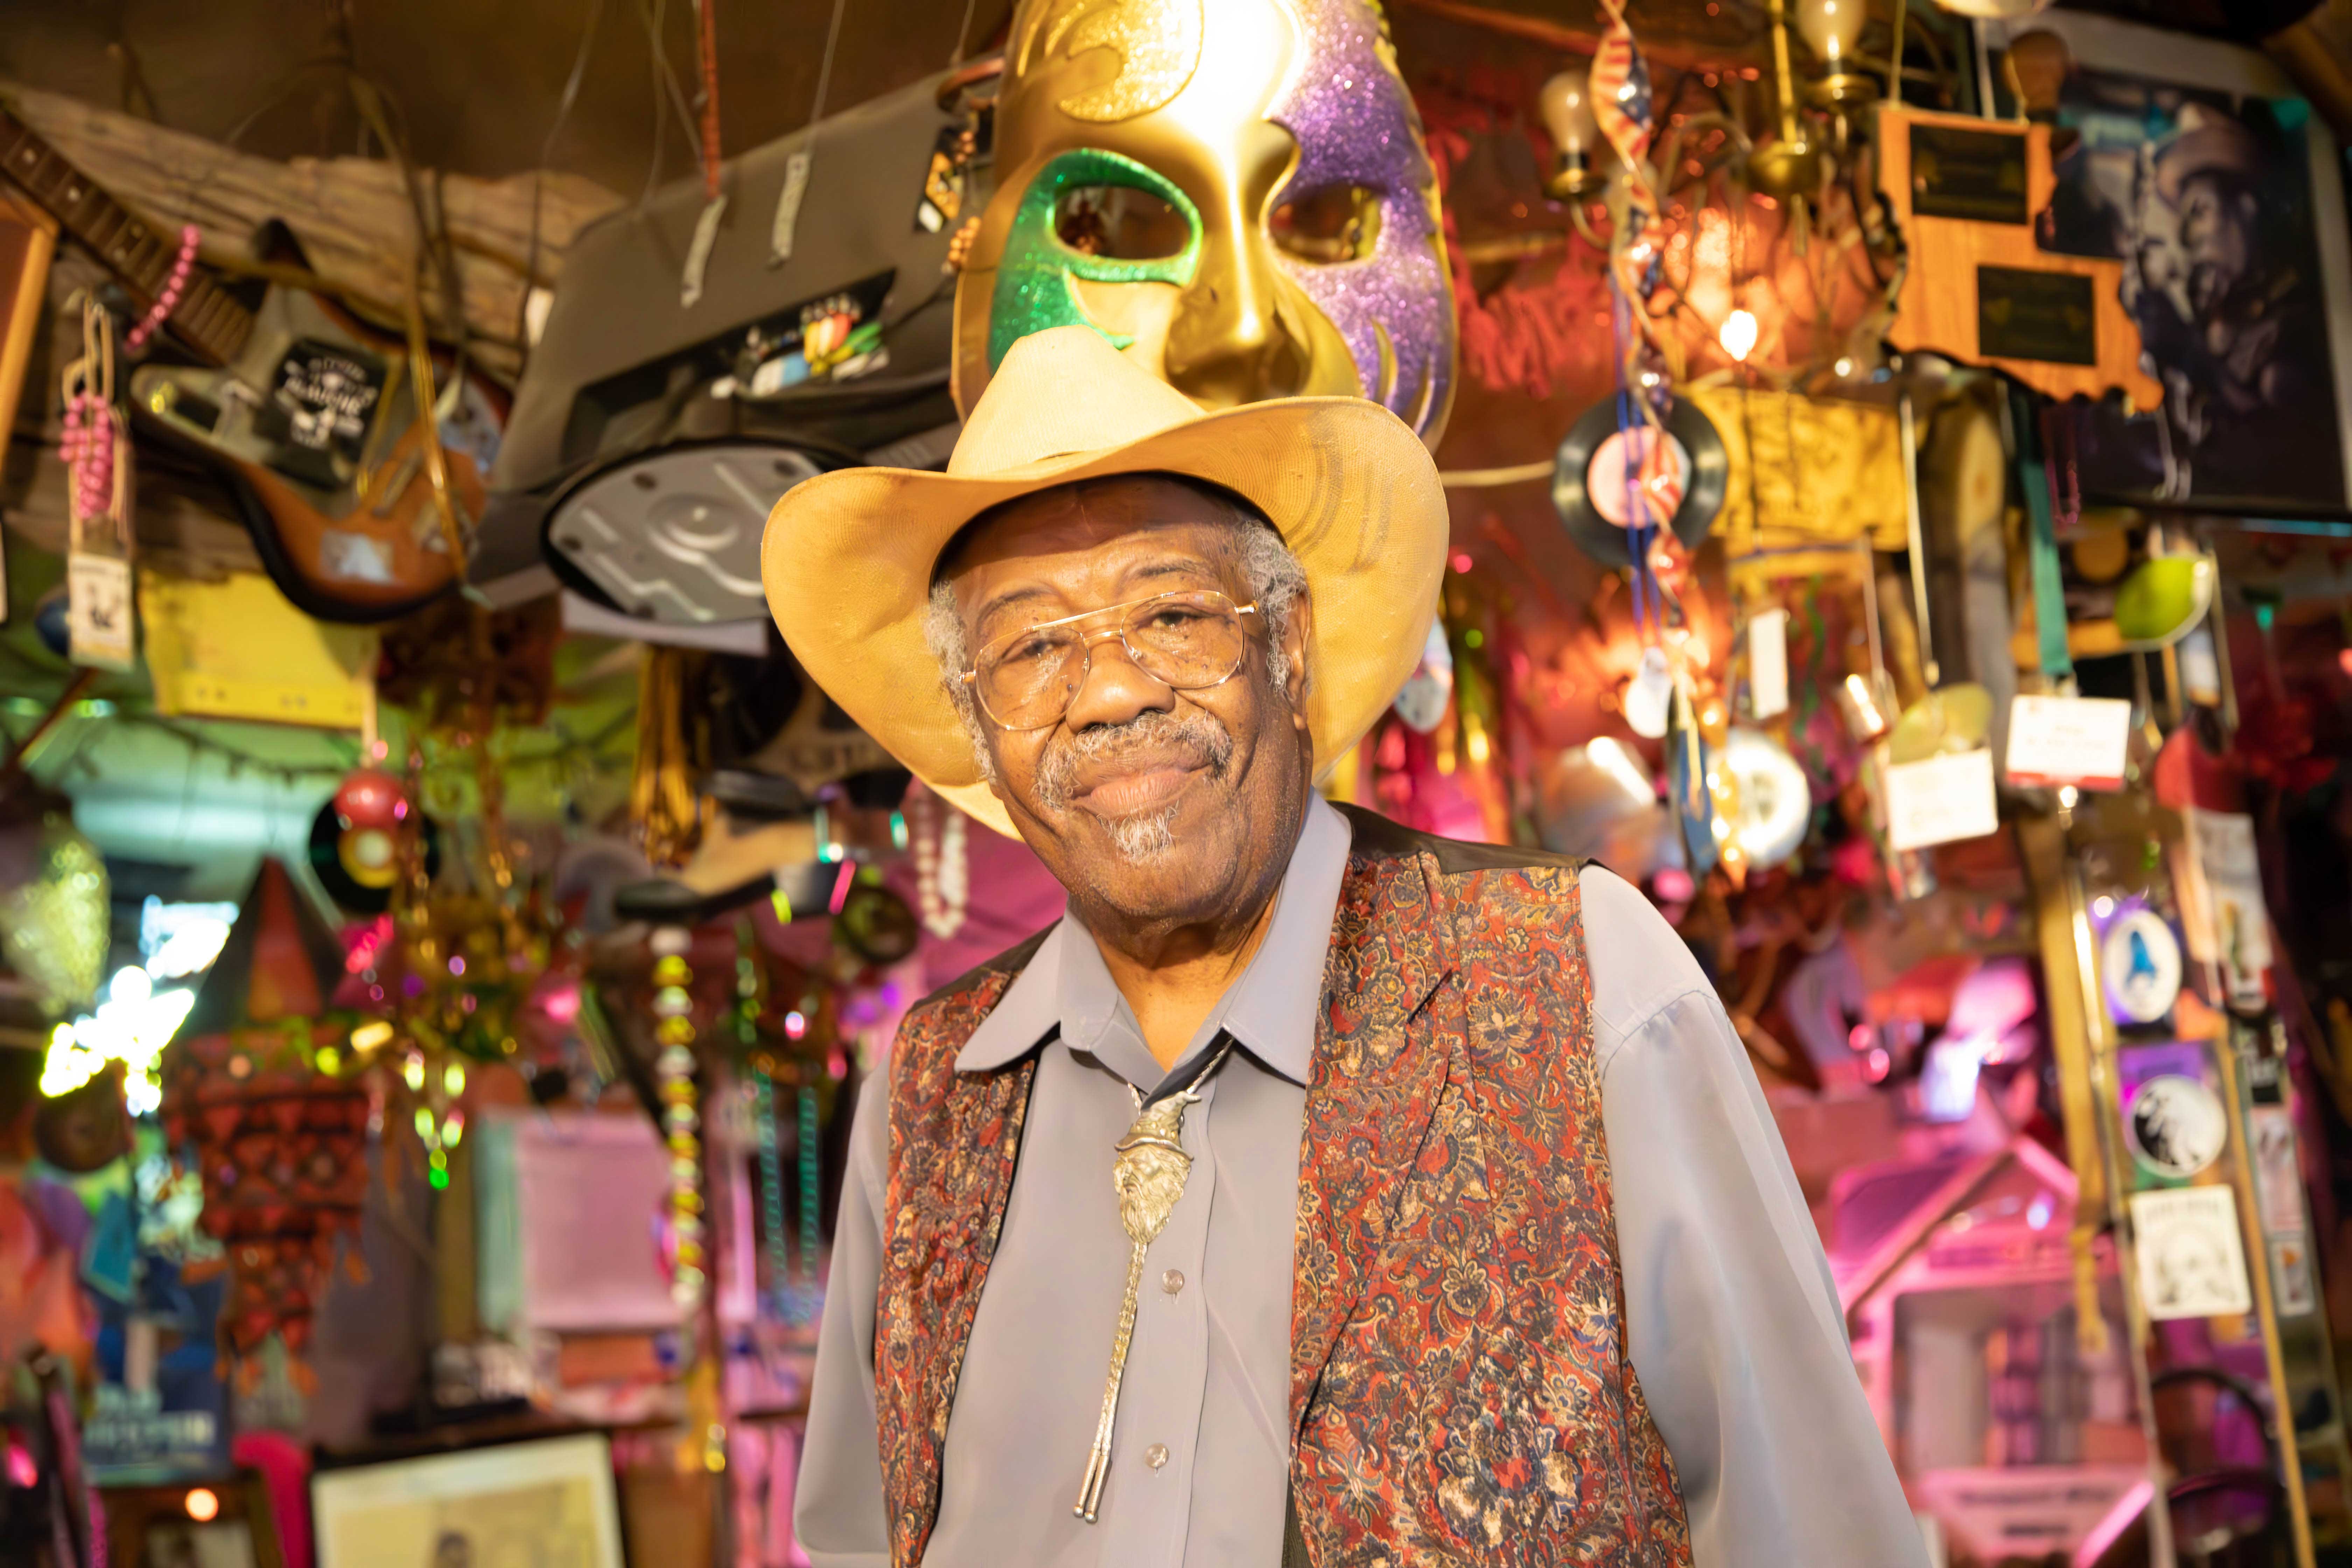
{"x":1658,"y":468}
{"x":2177,"y":1126}
{"x":2141,"y":959}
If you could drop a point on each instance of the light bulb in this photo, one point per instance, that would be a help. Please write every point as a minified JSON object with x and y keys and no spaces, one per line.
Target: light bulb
{"x":1566,"y":104}
{"x":1830,"y":28}
{"x":1737,"y":334}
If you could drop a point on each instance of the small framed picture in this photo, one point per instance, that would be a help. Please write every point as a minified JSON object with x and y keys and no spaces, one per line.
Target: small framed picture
{"x":223,"y":1523}
{"x":550,"y":1501}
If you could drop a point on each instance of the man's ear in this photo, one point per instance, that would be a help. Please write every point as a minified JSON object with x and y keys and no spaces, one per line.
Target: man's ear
{"x":1297,"y":638}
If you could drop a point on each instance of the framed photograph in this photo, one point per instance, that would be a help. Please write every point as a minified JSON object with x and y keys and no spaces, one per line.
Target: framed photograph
{"x":2198,"y":166}
{"x":549,"y":1503}
{"x":210,"y":1523}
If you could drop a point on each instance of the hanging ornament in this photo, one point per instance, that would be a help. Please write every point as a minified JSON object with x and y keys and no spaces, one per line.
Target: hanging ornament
{"x":257,"y":1097}
{"x":681,"y":1118}
{"x":53,"y":910}
{"x":942,"y":869}
{"x":1429,"y":691}
{"x":100,"y":611}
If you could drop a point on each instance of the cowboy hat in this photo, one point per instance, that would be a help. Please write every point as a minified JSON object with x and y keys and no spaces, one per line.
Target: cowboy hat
{"x":848,"y":557}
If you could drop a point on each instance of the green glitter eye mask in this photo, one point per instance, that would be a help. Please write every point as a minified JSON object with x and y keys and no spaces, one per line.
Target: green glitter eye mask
{"x":1095,"y":215}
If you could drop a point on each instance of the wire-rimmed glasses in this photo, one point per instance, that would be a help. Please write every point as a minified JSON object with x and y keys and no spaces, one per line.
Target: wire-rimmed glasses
{"x":1188,"y":641}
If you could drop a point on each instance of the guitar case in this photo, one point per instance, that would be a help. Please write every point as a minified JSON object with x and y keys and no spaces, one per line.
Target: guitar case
{"x":652,"y":431}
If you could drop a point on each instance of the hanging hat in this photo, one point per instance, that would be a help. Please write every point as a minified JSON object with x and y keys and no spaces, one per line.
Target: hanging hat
{"x":849,"y":556}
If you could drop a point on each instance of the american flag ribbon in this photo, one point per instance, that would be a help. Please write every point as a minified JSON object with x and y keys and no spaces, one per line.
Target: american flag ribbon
{"x":1621,"y":101}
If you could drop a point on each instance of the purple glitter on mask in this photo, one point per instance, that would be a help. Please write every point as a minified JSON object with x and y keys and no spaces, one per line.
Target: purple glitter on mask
{"x":1356,"y":125}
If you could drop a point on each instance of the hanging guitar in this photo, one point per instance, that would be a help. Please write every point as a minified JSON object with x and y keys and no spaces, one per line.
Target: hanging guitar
{"x":311,"y":415}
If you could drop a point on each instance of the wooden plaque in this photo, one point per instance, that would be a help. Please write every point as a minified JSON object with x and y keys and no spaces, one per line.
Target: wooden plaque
{"x":1980,"y":287}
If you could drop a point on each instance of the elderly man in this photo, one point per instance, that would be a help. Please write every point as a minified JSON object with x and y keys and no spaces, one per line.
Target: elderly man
{"x":1315,"y":1190}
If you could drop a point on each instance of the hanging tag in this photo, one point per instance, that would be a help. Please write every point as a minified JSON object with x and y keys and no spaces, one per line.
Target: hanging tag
{"x":698,"y":254}
{"x":2078,"y":741}
{"x":2200,"y":669}
{"x":1650,"y":696}
{"x":1768,"y":663}
{"x":1940,"y":800}
{"x":788,"y":209}
{"x":99,"y":618}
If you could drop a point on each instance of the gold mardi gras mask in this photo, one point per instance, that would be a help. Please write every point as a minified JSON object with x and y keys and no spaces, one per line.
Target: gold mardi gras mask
{"x":1234,"y":192}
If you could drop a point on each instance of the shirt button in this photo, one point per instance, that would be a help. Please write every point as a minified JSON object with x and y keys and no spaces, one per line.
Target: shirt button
{"x":1173,"y":1281}
{"x":1156,"y":1454}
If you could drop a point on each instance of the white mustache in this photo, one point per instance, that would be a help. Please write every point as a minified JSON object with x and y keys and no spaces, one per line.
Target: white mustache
{"x":1209,"y":742}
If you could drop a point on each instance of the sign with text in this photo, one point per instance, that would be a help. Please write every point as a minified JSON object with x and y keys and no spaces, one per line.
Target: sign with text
{"x":2078,"y":741}
{"x":1941,"y":800}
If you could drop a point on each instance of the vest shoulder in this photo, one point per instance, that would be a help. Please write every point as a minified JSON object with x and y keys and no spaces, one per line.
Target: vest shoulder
{"x":1009,"y":962}
{"x":1379,"y":834}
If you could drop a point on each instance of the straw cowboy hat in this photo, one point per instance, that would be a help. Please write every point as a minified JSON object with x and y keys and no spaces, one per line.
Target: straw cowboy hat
{"x":848,"y":556}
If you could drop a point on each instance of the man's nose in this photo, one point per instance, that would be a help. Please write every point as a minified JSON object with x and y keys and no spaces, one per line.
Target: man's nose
{"x":1230,"y":343}
{"x":1115,"y":689}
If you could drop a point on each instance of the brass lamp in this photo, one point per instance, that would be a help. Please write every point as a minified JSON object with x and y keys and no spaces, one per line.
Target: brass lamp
{"x":1833,"y":30}
{"x":1790,"y":167}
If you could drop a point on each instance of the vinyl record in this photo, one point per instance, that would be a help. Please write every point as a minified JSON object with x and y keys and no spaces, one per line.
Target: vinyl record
{"x":356,"y":865}
{"x":1589,"y":481}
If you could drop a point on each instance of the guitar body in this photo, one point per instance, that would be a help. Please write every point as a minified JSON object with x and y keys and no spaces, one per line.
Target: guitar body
{"x":313,"y":415}
{"x":320,"y":425}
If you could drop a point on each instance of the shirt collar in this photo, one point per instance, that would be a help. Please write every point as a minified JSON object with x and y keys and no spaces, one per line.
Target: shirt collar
{"x":1066,"y":989}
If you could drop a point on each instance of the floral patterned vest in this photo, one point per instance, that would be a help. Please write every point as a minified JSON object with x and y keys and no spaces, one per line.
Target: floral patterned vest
{"x":1460,"y":1390}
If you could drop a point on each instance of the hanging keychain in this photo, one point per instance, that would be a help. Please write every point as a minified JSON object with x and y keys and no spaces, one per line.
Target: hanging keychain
{"x":101,"y":617}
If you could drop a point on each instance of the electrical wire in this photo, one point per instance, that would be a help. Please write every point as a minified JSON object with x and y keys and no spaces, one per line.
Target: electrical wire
{"x":563,"y":107}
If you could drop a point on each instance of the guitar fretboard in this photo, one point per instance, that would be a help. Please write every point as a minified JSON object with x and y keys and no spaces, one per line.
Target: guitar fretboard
{"x":206,"y":319}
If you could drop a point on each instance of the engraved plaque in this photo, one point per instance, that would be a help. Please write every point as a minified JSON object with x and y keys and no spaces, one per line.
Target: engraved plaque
{"x":1979,"y":175}
{"x":2045,"y":316}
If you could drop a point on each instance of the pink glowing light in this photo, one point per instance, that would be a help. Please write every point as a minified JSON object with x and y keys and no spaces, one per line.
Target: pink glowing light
{"x":841,"y":886}
{"x":563,"y":1005}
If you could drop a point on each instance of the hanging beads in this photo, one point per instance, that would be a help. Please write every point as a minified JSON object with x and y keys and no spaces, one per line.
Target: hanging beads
{"x":681,"y":1122}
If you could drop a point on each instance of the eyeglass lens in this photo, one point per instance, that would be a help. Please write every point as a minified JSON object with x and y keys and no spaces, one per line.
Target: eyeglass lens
{"x":1185,"y":641}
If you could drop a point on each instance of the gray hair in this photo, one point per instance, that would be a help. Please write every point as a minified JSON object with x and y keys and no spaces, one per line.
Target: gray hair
{"x":1268,"y":566}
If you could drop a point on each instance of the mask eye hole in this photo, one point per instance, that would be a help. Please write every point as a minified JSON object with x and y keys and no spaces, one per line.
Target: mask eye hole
{"x":1119,"y":223}
{"x":1335,"y":223}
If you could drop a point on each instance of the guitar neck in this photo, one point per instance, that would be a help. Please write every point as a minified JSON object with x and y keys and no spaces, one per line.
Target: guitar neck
{"x":206,"y":318}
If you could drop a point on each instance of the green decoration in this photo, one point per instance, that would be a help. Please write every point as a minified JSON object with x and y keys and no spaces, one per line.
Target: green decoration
{"x":1033,"y":281}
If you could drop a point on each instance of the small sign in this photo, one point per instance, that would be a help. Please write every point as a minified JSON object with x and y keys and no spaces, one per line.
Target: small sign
{"x":2139,"y":959}
{"x":2030,"y":315}
{"x":1975,"y":175}
{"x":1941,"y":800}
{"x":2293,"y":1289}
{"x":2078,"y":741}
{"x":2223,"y":914}
{"x":100,"y":623}
{"x":2191,"y":1264}
{"x":1768,"y":663}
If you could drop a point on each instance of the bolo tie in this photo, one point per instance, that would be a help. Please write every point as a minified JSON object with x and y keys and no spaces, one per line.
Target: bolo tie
{"x":1148,"y":1172}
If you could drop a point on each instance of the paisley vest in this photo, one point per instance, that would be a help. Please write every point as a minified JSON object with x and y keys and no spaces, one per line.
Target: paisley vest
{"x":1460,"y":1388}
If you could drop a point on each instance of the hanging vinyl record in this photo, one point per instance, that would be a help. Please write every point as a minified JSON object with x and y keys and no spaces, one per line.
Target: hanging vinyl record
{"x":1603,"y":476}
{"x":357,"y":863}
